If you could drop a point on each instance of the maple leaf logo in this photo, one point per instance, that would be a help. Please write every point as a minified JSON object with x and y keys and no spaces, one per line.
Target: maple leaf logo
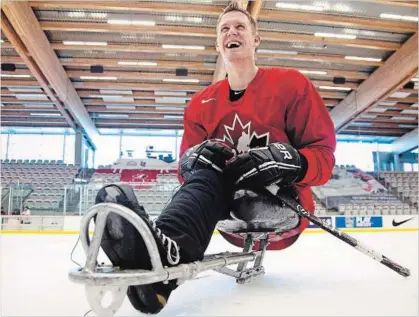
{"x":242,"y":137}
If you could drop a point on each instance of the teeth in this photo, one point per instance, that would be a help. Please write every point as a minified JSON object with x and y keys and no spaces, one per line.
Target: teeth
{"x":231,"y":43}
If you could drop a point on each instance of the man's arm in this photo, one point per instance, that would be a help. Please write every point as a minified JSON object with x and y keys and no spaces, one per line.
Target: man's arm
{"x":193,"y":134}
{"x":311,"y":132}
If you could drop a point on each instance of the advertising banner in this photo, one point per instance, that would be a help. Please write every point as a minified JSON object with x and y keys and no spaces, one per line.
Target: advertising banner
{"x":359,"y":222}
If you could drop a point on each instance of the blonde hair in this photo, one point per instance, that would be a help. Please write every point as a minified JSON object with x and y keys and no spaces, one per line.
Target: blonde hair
{"x":235,"y":6}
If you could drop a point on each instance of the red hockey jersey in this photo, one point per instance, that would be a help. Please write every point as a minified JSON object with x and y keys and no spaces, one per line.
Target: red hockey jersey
{"x":279,"y":105}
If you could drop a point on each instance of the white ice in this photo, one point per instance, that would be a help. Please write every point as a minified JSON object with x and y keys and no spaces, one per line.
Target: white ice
{"x":319,"y":275}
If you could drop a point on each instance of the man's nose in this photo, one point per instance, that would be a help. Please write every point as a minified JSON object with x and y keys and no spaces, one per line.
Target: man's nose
{"x":232,"y":31}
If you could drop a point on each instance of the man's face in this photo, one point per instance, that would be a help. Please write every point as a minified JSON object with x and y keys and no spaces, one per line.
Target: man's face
{"x":235,"y":38}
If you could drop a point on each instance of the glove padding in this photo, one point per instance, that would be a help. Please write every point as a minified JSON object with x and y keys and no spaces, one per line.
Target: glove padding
{"x":210,"y":154}
{"x":278,"y":163}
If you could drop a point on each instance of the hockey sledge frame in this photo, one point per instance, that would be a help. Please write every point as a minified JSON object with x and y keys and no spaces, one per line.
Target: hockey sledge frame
{"x":100,"y":280}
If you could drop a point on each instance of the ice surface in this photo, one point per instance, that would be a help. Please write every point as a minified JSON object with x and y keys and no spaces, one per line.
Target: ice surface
{"x":318,"y":275}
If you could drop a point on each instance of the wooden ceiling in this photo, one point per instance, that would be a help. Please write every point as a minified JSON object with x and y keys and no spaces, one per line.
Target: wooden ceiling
{"x":361,"y":55}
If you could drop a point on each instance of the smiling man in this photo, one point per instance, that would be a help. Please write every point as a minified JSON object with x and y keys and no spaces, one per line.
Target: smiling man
{"x":255,"y":128}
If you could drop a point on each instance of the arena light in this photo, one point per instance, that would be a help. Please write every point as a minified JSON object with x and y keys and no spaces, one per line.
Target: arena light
{"x":115,"y":92}
{"x":98,"y":78}
{"x":294,"y":6}
{"x":359,"y":58}
{"x":25,"y":89}
{"x":185,"y":47}
{"x":335,"y":88}
{"x":180,"y":80}
{"x":131,"y":22}
{"x":335,"y":35}
{"x":46,"y":114}
{"x":398,"y":17}
{"x":85,"y":43}
{"x":314,"y":72}
{"x":15,"y":75}
{"x":269,"y":51}
{"x":137,"y":63}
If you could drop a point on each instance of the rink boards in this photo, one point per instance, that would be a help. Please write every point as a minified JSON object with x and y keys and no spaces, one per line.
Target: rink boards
{"x":370,"y":223}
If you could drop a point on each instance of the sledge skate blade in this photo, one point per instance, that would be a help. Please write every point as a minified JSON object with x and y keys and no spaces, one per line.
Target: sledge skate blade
{"x":99,"y":279}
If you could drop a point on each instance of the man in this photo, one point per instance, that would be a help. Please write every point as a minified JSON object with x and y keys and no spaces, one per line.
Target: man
{"x":255,"y":128}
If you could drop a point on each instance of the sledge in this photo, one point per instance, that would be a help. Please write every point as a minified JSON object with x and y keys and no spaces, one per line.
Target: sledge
{"x":255,"y":239}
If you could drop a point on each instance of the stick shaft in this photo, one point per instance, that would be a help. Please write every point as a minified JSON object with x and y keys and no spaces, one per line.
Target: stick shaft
{"x":294,"y":205}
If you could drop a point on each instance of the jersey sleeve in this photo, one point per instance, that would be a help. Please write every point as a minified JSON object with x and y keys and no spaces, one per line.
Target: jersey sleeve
{"x":311,"y":131}
{"x":193,"y":132}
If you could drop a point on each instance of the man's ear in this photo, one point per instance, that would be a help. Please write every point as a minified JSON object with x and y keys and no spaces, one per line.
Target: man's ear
{"x":257,"y":40}
{"x":217,"y":49}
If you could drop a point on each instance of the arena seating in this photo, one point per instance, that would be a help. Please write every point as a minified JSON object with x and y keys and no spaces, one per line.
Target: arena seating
{"x":46,"y":178}
{"x":154,"y":188}
{"x":400,"y":185}
{"x":405,"y":184}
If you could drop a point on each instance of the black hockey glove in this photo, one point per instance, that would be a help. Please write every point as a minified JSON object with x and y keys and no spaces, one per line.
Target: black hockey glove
{"x":210,"y":154}
{"x":277,"y":163}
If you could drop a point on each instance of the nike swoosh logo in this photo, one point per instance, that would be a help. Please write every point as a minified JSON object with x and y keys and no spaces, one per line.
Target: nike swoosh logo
{"x":238,"y":92}
{"x":396,"y":224}
{"x":207,"y":100}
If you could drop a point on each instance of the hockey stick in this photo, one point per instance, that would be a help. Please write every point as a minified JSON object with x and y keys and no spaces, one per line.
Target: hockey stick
{"x":294,"y":205}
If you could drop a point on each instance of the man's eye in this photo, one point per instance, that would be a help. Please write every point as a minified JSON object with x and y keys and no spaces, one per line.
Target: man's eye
{"x":240,"y":26}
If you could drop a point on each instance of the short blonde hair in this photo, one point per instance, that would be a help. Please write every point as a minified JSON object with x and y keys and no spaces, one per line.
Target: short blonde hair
{"x":234,"y":6}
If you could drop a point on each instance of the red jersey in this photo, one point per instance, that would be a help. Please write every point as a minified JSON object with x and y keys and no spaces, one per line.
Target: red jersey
{"x":279,"y":105}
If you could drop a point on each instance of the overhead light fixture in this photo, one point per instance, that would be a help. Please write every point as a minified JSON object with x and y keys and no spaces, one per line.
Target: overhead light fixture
{"x":117,"y":98}
{"x":38,"y":105}
{"x":115,"y":92}
{"x":398,"y":17}
{"x":314,"y":72}
{"x":25,"y":89}
{"x":359,"y":58}
{"x":131,"y":22}
{"x":120,"y":107}
{"x":99,"y":78}
{"x":84,"y":43}
{"x":15,"y":75}
{"x":134,"y":63}
{"x":170,"y":93}
{"x":177,"y":18}
{"x":269,"y":51}
{"x":334,"y":35}
{"x":186,"y":47}
{"x":46,"y":114}
{"x":181,"y":80}
{"x":335,"y":88}
{"x":98,"y":15}
{"x":109,"y":115}
{"x":178,"y":100}
{"x":31,"y":97}
{"x":399,"y":94}
{"x":76,"y":14}
{"x":295,"y":6}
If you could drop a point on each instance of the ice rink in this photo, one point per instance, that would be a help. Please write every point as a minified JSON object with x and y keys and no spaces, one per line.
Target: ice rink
{"x":317,"y":276}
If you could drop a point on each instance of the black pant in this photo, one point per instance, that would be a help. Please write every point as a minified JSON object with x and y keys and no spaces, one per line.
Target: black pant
{"x":191,"y":216}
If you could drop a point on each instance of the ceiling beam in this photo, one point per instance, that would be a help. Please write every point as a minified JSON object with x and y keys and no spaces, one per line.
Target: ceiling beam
{"x":26,"y":25}
{"x":20,"y":48}
{"x":124,"y":6}
{"x":214,"y":11}
{"x":211,"y":51}
{"x":407,"y":142}
{"x":209,"y":33}
{"x":338,"y":20}
{"x":395,"y":72}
